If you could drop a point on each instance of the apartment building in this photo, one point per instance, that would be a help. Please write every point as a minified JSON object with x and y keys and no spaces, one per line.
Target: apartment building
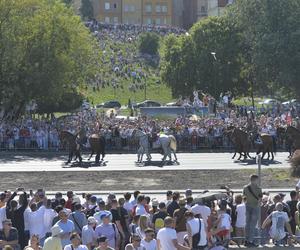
{"x":108,"y":11}
{"x":132,"y":11}
{"x":157,"y":12}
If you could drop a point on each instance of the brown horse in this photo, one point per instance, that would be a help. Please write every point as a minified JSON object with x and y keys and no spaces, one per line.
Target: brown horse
{"x":293,"y":135}
{"x":295,"y":164}
{"x":267,"y":146}
{"x":241,"y":142}
{"x":97,"y":144}
{"x":68,"y":140}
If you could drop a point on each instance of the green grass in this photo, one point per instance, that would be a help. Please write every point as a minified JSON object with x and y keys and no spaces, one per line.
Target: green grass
{"x":246,"y":101}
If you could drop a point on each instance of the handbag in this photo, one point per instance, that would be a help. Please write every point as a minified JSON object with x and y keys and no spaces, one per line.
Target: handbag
{"x":196,"y":237}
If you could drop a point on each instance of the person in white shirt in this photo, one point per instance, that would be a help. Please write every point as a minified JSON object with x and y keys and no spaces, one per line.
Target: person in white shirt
{"x":240,"y":217}
{"x":280,"y":222}
{"x":49,"y":215}
{"x":167,"y":237}
{"x":36,"y":222}
{"x":89,"y":237}
{"x":196,"y":226}
{"x":149,"y":242}
{"x":135,"y":243}
{"x":140,"y":207}
{"x":200,"y":210}
{"x":2,"y":216}
{"x":75,"y":243}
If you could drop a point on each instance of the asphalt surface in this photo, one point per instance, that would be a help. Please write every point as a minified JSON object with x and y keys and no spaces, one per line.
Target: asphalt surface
{"x":126,"y":162}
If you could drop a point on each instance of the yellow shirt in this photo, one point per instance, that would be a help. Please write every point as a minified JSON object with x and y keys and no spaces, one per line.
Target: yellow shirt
{"x":52,"y":243}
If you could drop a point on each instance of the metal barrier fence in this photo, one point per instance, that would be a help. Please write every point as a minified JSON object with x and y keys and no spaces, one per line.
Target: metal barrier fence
{"x":188,"y":143}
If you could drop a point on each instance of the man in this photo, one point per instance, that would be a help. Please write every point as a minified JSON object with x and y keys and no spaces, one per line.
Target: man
{"x":67,"y":226}
{"x":36,"y":221}
{"x":180,"y":221}
{"x":169,"y":198}
{"x":103,"y":243}
{"x":70,"y":200}
{"x":135,"y":243}
{"x":201,"y":211}
{"x":174,"y":204}
{"x":78,"y":218}
{"x":116,"y":217}
{"x":8,"y":235}
{"x":75,"y":243}
{"x":167,"y":238}
{"x":88,"y":233}
{"x":253,"y":194}
{"x":16,"y":214}
{"x":280,"y":221}
{"x":54,"y":242}
{"x":293,"y":208}
{"x":158,"y":217}
{"x":128,"y":205}
{"x":49,"y":215}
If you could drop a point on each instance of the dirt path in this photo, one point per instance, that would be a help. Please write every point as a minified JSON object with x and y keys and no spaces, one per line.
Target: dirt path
{"x":143,"y":180}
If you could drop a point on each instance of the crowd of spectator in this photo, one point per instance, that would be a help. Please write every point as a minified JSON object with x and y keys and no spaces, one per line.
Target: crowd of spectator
{"x":134,"y":221}
{"x":192,"y":133}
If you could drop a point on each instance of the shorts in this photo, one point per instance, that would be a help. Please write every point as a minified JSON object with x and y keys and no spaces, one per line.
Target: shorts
{"x":223,"y":233}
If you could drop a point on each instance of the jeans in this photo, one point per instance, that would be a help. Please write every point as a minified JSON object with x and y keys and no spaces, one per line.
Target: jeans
{"x":251,"y":222}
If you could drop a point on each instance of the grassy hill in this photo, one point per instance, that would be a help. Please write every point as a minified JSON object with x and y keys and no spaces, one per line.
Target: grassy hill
{"x":119,"y":84}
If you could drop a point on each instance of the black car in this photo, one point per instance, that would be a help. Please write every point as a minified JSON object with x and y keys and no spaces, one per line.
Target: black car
{"x":148,"y":103}
{"x":109,"y":105}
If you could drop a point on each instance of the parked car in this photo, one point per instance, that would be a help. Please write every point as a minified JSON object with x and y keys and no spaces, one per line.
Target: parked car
{"x":148,"y":103}
{"x":269,"y":102}
{"x":291,"y":102}
{"x":172,"y":104}
{"x":109,"y":105}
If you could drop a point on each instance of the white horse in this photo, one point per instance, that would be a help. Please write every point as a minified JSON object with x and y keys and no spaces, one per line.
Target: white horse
{"x":167,"y":143}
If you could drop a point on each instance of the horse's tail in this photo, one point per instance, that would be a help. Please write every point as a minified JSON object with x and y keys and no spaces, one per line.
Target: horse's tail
{"x":295,"y":164}
{"x":173,"y":143}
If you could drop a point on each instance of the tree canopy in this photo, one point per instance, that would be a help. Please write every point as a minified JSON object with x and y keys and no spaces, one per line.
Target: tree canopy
{"x":255,"y":44}
{"x":46,"y":53}
{"x":148,"y":43}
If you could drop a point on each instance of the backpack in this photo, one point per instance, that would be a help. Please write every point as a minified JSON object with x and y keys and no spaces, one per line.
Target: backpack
{"x":159,"y":224}
{"x":91,"y":212}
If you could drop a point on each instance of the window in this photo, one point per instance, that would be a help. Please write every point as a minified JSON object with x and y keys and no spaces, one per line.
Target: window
{"x":148,"y":8}
{"x":106,"y":19}
{"x":203,"y":9}
{"x":157,"y":21}
{"x":158,"y":8}
{"x":107,"y":6}
{"x":164,"y":8}
{"x":132,"y":8}
{"x":115,"y":5}
{"x":126,"y":8}
{"x":165,"y":21}
{"x":149,"y":21}
{"x":115,"y":19}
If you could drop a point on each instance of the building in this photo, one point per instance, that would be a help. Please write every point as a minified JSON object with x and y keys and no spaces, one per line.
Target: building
{"x":157,"y":12}
{"x":108,"y":11}
{"x":132,"y":11}
{"x":202,"y":9}
{"x":217,"y":7}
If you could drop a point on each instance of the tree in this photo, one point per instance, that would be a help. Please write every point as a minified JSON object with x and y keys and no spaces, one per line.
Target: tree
{"x":148,"y":43}
{"x":86,"y":9}
{"x":188,"y":63}
{"x":271,"y":33}
{"x":45,"y":51}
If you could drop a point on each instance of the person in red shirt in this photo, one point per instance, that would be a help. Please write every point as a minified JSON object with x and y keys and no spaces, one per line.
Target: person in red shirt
{"x":70,"y":200}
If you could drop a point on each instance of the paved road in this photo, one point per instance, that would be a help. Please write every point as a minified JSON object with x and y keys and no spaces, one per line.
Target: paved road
{"x":119,"y":162}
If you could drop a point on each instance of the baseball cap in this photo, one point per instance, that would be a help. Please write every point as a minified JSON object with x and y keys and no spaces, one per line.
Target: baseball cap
{"x":101,"y":239}
{"x":282,"y":195}
{"x":93,"y":199}
{"x":105,"y":214}
{"x":92,"y":220}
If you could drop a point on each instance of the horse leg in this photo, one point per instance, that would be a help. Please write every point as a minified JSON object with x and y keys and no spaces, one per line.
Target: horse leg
{"x":240,"y":156}
{"x":70,"y":157}
{"x":103,"y":154}
{"x":175,"y":156}
{"x":97,"y":158}
{"x":91,"y":155}
{"x":263,"y":155}
{"x":233,"y":155}
{"x":268,"y":155}
{"x":272,"y":153}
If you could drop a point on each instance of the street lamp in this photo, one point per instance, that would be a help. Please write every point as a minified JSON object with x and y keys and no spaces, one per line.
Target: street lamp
{"x":215,"y":77}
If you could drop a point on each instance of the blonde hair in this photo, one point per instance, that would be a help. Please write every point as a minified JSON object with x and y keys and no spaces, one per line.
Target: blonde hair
{"x":143,"y":222}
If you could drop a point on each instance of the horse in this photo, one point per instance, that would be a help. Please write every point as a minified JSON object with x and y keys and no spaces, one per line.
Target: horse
{"x":241,"y":142}
{"x":70,"y":141}
{"x":295,"y":164}
{"x":268,"y":146}
{"x":97,"y":143}
{"x":144,"y":145}
{"x":293,"y":135}
{"x":167,"y":143}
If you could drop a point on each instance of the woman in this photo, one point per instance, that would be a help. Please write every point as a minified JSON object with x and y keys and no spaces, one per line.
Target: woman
{"x":142,"y":225}
{"x":149,"y":242}
{"x":34,"y":243}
